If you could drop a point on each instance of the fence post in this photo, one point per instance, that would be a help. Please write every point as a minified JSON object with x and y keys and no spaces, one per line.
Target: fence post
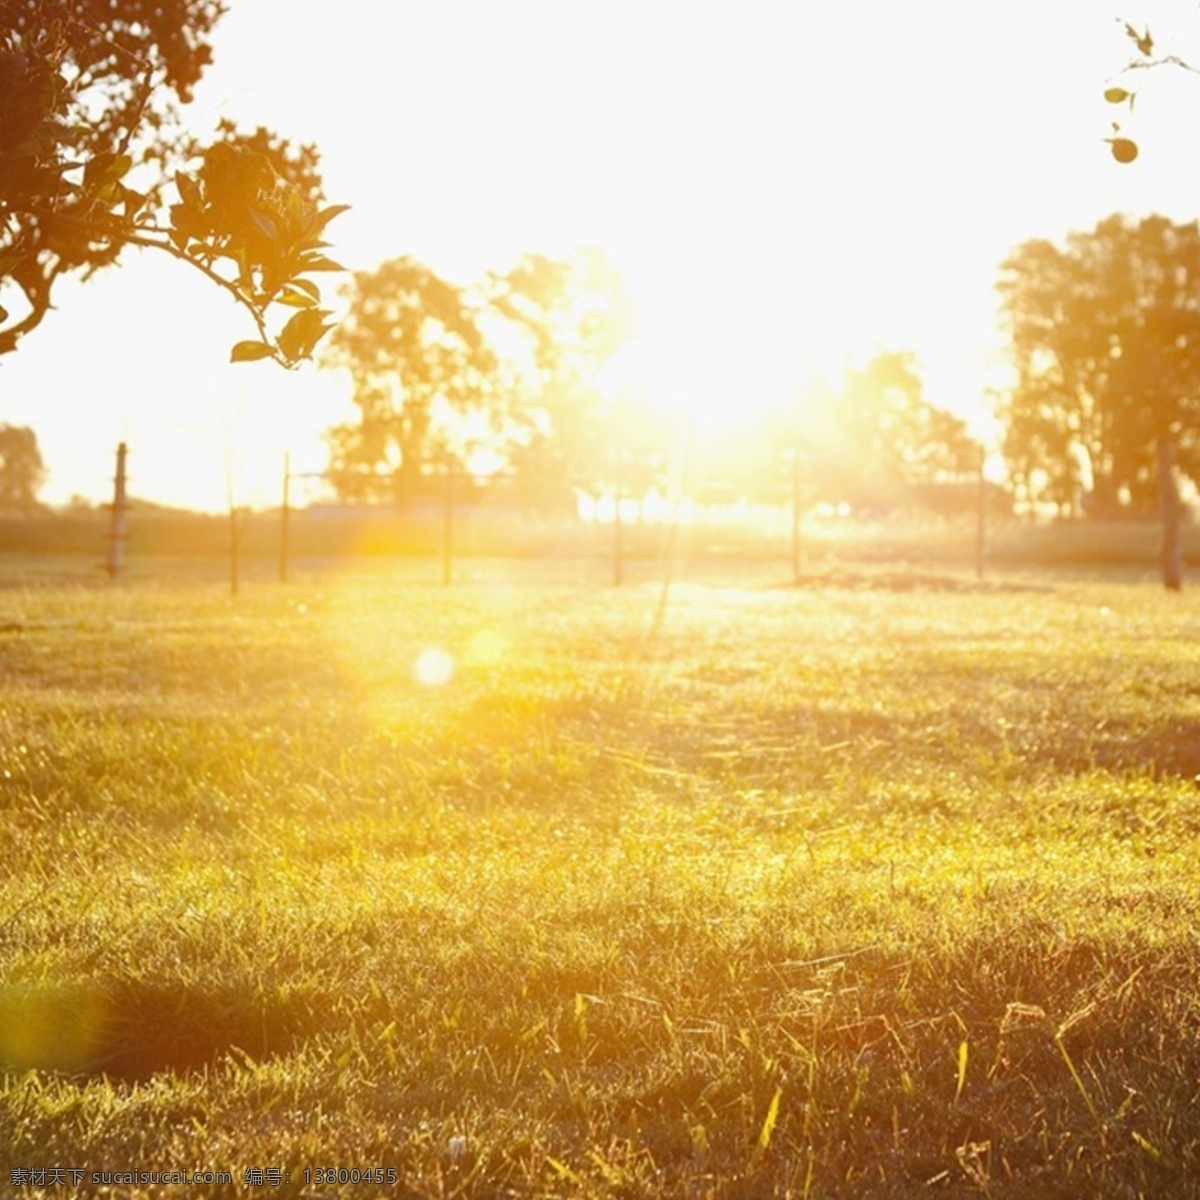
{"x":234,"y":532}
{"x":618,"y":525}
{"x":448,"y":522}
{"x":981,"y":516}
{"x":1168,"y":503}
{"x":116,"y":534}
{"x":284,"y":515}
{"x":797,"y":546}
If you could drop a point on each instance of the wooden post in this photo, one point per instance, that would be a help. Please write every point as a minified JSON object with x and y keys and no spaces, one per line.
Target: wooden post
{"x":797,"y":546}
{"x":116,"y":534}
{"x":284,"y":515}
{"x":233,"y":549}
{"x":618,"y":525}
{"x":448,"y":522}
{"x":1168,"y":498}
{"x":981,"y":516}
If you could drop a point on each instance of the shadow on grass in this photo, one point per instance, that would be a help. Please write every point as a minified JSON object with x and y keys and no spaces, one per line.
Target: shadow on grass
{"x":1170,"y":748}
{"x":129,"y":1030}
{"x":803,"y":746}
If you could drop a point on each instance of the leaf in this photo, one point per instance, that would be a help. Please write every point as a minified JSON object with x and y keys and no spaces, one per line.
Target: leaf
{"x":134,"y":201}
{"x":306,"y":286}
{"x":318,"y":262}
{"x":186,"y":220}
{"x":1123,"y":150}
{"x":327,"y":214}
{"x":189,"y":190}
{"x":1116,"y":95}
{"x":295,"y":299}
{"x":106,"y":168}
{"x":302,"y":332}
{"x":962,"y":1069}
{"x":1143,"y":41}
{"x":93,"y":168}
{"x":250,"y":352}
{"x":242,"y":259}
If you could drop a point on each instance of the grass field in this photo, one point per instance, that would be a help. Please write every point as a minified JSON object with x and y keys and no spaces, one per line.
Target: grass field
{"x":881,"y":887}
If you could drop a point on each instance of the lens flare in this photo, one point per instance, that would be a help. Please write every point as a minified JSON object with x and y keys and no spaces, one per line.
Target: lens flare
{"x":49,"y":1028}
{"x":434,"y":667}
{"x":487,"y":648}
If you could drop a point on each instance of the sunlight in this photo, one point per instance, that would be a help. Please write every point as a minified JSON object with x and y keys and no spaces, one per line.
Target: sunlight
{"x":658,"y":371}
{"x":434,"y":667}
{"x":716,"y":359}
{"x":666,"y":694}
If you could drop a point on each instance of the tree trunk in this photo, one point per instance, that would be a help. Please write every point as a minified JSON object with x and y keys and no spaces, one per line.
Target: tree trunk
{"x":1168,"y":499}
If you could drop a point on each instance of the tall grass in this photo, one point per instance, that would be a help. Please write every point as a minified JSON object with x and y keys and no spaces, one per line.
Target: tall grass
{"x":829,"y":891}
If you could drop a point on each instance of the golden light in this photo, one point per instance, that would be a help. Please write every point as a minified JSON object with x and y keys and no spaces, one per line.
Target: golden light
{"x":52,"y":1028}
{"x":717,"y":360}
{"x":434,"y":667}
{"x":487,"y":648}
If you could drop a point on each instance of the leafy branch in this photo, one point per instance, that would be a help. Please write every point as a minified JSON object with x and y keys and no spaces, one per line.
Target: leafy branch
{"x":248,"y":215}
{"x":1124,"y":149}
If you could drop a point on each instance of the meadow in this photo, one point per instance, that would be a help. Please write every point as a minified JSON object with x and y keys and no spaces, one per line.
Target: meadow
{"x":884,"y":886}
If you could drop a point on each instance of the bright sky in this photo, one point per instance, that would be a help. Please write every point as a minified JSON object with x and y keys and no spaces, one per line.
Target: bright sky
{"x":782,"y":184}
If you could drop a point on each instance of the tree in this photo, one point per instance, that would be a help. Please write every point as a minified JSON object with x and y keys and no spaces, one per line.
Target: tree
{"x":90,"y":93}
{"x":871,"y":442}
{"x":877,"y":439}
{"x":417,"y":355}
{"x":511,"y":361}
{"x":1105,"y":335}
{"x":22,"y":471}
{"x":900,"y":438}
{"x":573,"y":316}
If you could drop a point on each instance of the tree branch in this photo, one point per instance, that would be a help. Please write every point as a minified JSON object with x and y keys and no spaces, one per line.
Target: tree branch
{"x":146,"y":239}
{"x":12,"y":335}
{"x":39,"y":305}
{"x":142,"y":239}
{"x":1169,"y":60}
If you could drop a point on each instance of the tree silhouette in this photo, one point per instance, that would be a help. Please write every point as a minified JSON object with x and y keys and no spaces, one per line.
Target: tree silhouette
{"x":871,"y":441}
{"x":1105,"y":337}
{"x":899,"y":437}
{"x":22,"y":471}
{"x":573,"y":315}
{"x":90,"y":93}
{"x":416,"y":352}
{"x":874,"y":440}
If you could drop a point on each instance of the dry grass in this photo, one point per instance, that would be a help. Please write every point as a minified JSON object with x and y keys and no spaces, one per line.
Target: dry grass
{"x":834,"y":891}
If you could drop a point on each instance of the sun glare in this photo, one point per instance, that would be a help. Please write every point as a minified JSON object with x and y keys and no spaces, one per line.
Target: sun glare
{"x":716,"y":366}
{"x":434,"y":667}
